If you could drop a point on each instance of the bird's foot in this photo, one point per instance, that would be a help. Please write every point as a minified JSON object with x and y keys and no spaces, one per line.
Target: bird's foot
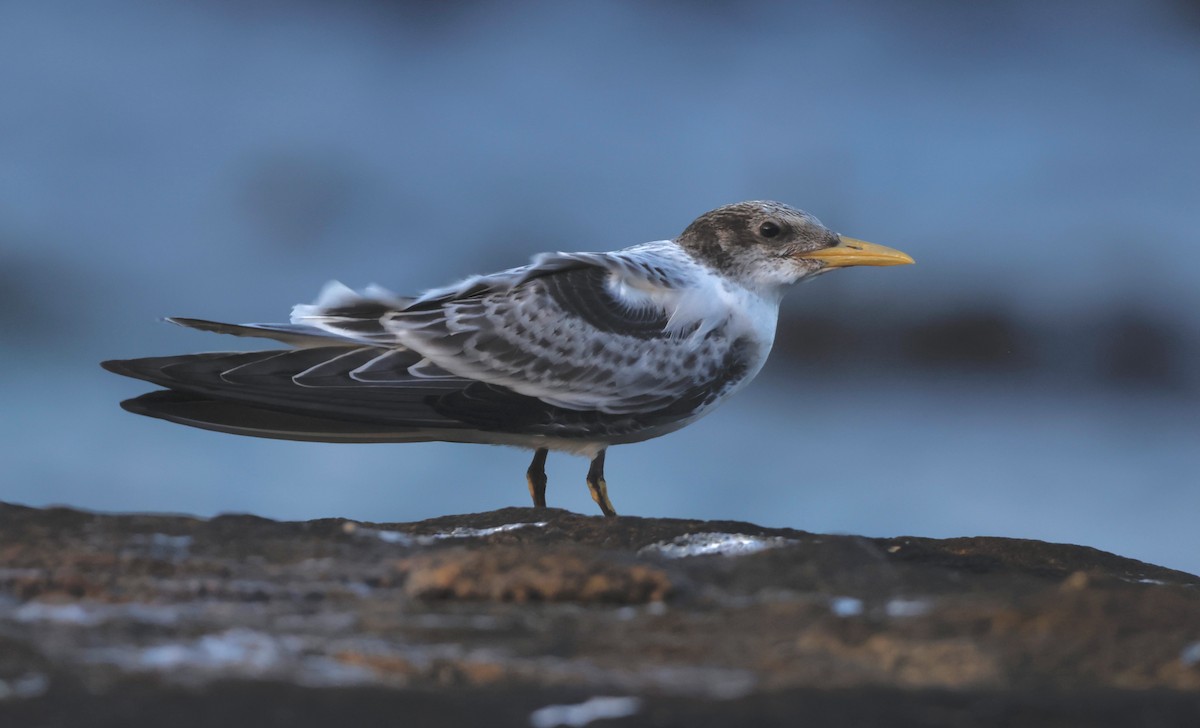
{"x":599,"y":490}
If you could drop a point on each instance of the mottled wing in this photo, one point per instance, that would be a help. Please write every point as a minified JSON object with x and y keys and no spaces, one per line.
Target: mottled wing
{"x":583,"y":332}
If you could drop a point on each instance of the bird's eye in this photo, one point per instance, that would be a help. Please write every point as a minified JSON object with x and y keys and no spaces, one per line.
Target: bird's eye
{"x":768,"y":229}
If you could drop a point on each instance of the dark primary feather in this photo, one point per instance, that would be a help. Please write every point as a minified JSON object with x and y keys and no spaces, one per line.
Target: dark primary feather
{"x":291,"y":334}
{"x":196,"y":410}
{"x":261,"y":394}
{"x":271,"y":379}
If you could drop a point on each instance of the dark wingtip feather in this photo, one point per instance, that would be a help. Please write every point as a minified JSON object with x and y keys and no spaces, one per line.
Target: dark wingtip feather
{"x":117,"y":366}
{"x":143,"y":369}
{"x":196,"y":410}
{"x":194,"y":323}
{"x":297,"y":335}
{"x":139,"y":405}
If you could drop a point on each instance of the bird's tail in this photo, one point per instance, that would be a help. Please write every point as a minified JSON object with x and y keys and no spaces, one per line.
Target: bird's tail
{"x":196,"y":410}
{"x":295,"y":394}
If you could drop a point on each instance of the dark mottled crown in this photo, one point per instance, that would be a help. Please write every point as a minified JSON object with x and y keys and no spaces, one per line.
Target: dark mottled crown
{"x":732,"y":237}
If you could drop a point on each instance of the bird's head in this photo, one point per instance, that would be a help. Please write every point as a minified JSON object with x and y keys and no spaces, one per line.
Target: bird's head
{"x":767,"y":246}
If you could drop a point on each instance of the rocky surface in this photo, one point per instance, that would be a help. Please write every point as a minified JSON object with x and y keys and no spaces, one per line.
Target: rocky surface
{"x":530,"y":617}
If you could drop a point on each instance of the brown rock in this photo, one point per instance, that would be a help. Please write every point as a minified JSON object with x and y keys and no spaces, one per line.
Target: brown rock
{"x":483,"y":618}
{"x":525,"y":574}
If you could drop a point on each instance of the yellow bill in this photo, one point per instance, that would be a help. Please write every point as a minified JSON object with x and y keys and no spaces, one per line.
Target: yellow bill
{"x":849,"y":251}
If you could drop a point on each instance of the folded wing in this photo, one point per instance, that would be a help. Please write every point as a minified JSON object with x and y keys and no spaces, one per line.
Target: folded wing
{"x":580,"y":331}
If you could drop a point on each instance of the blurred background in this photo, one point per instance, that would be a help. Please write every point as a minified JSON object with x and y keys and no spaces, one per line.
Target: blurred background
{"x":1035,"y":375}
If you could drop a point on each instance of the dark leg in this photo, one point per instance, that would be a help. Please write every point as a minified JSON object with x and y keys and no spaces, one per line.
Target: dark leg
{"x":536,"y":475}
{"x":596,"y":484}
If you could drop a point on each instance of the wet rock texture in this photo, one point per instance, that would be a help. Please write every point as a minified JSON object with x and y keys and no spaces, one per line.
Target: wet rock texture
{"x":525,"y":617}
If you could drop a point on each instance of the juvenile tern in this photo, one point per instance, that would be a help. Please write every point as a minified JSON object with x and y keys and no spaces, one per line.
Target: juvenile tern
{"x":574,"y":352}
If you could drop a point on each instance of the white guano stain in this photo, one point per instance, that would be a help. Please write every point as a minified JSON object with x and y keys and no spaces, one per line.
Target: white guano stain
{"x":580,"y":714}
{"x":87,"y":614}
{"x":846,"y":606}
{"x":242,"y":651}
{"x":900,"y":608}
{"x":722,"y":544}
{"x":1190,"y":655}
{"x":29,"y":685}
{"x":400,"y":538}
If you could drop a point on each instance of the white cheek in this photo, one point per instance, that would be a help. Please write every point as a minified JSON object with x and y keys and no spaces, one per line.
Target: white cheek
{"x":776,"y":275}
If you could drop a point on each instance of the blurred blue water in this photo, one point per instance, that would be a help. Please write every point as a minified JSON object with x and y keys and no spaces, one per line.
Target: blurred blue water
{"x":224,"y":160}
